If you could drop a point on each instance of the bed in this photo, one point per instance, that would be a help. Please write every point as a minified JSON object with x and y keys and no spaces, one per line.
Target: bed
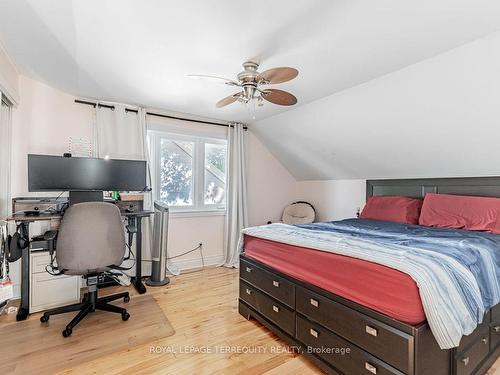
{"x":371,"y":309}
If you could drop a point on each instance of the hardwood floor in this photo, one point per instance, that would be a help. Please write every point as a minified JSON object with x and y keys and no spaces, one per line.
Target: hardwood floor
{"x":202,"y":307}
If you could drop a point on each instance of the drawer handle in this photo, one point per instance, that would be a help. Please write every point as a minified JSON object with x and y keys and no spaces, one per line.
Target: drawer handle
{"x":465,"y":361}
{"x":314,"y":333}
{"x":314,"y":302}
{"x":276,"y":284}
{"x":276,"y":308}
{"x":484,"y":340}
{"x":371,"y":331}
{"x":370,"y":368}
{"x":249,"y":269}
{"x":249,"y":292}
{"x":496,"y":329}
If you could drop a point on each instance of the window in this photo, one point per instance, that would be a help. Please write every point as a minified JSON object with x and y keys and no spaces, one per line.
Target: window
{"x":215,"y":173}
{"x":190,"y":171}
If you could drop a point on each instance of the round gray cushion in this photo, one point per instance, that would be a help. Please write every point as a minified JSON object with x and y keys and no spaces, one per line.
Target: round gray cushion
{"x":298,"y":213}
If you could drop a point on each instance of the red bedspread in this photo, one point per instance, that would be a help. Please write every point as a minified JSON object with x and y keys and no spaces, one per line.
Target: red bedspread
{"x":378,"y":287}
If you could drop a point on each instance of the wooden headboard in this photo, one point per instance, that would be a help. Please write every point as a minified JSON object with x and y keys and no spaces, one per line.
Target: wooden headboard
{"x":418,"y":187}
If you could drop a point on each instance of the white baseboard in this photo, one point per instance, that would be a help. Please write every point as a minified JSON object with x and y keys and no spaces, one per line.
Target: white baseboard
{"x":210,"y":260}
{"x":183,"y":265}
{"x":188,"y":264}
{"x":17,"y":291}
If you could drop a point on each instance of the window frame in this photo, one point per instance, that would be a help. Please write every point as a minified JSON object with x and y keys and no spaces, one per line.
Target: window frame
{"x":198,"y":183}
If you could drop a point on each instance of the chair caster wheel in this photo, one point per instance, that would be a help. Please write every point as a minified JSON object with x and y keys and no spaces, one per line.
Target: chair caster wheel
{"x":44,"y":318}
{"x":67,"y":332}
{"x":125,"y":316}
{"x":126,"y":299}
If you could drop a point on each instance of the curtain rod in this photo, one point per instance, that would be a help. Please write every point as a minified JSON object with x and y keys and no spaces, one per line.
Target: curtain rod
{"x":112,"y":107}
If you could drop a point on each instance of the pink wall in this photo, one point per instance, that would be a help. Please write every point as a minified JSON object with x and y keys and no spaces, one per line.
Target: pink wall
{"x":270,"y":186}
{"x":333,"y":199}
{"x":8,"y":77}
{"x":43,"y":123}
{"x":47,"y":117}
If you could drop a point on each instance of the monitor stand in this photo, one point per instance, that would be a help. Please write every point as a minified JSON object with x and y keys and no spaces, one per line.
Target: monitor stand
{"x":85,"y":196}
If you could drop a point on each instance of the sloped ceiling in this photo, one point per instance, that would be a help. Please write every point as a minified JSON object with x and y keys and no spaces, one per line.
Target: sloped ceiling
{"x":140,"y":51}
{"x":437,"y":118}
{"x":387,"y":88}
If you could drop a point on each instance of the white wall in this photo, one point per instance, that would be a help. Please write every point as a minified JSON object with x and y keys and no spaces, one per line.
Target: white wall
{"x":47,"y":117}
{"x":8,"y":77}
{"x":333,"y":199}
{"x":270,"y":186}
{"x":436,"y":118}
{"x":42,"y":124}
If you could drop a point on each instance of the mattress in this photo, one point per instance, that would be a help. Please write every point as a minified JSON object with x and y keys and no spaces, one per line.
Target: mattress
{"x":372,"y":285}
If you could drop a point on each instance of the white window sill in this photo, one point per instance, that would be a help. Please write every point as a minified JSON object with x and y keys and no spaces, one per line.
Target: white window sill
{"x":197,"y":213}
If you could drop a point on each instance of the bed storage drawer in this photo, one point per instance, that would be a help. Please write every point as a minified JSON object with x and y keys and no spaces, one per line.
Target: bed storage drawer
{"x":278,"y":313}
{"x":494,"y":335}
{"x":466,"y":362}
{"x":338,"y":352}
{"x":479,"y":332}
{"x":495,"y":327}
{"x":379,"y":339}
{"x":277,"y":287}
{"x":495,"y":313}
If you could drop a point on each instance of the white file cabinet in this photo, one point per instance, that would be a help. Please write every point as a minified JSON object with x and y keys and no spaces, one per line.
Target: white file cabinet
{"x":47,"y":291}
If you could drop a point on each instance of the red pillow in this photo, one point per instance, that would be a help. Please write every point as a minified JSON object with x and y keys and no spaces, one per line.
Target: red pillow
{"x":392,"y":208}
{"x":461,"y":212}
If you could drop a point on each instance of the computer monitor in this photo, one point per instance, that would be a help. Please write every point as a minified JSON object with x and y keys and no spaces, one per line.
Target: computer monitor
{"x":58,"y":173}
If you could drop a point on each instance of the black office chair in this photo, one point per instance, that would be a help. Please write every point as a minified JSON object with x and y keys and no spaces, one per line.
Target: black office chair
{"x":91,"y":240}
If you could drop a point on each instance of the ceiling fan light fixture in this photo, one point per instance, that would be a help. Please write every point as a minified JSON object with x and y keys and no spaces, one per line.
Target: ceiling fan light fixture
{"x":250,"y":79}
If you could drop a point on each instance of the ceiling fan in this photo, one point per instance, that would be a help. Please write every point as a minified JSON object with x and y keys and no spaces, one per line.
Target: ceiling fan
{"x":250,"y":80}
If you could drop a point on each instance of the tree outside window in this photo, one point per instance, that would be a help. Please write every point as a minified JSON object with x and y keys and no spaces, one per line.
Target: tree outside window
{"x":191,"y":172}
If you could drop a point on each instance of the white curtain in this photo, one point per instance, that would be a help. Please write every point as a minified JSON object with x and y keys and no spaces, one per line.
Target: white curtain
{"x":149,"y":199}
{"x":236,"y":218}
{"x":118,"y":134}
{"x":5,"y":152}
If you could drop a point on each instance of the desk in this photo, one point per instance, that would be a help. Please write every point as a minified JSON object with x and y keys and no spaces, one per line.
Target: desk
{"x":24,"y":221}
{"x":133,"y":218}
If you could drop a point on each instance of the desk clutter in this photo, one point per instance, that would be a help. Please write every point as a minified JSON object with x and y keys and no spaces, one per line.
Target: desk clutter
{"x":41,"y":287}
{"x":79,"y":225}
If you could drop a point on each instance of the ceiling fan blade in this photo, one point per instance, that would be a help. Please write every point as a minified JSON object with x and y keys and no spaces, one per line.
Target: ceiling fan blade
{"x":279,"y":97}
{"x":228,"y":100}
{"x":277,"y":75}
{"x":226,"y":81}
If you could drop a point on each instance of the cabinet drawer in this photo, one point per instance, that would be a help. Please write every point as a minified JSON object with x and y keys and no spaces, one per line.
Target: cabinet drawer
{"x":495,"y":313}
{"x":478,"y":333}
{"x":277,"y":287}
{"x":275,"y":311}
{"x":39,"y":261}
{"x":466,"y":363}
{"x":338,"y":352}
{"x":494,"y":335}
{"x":47,"y":291}
{"x":383,"y":341}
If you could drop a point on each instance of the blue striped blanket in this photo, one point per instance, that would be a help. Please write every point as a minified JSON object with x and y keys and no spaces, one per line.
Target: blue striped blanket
{"x":457,"y":271}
